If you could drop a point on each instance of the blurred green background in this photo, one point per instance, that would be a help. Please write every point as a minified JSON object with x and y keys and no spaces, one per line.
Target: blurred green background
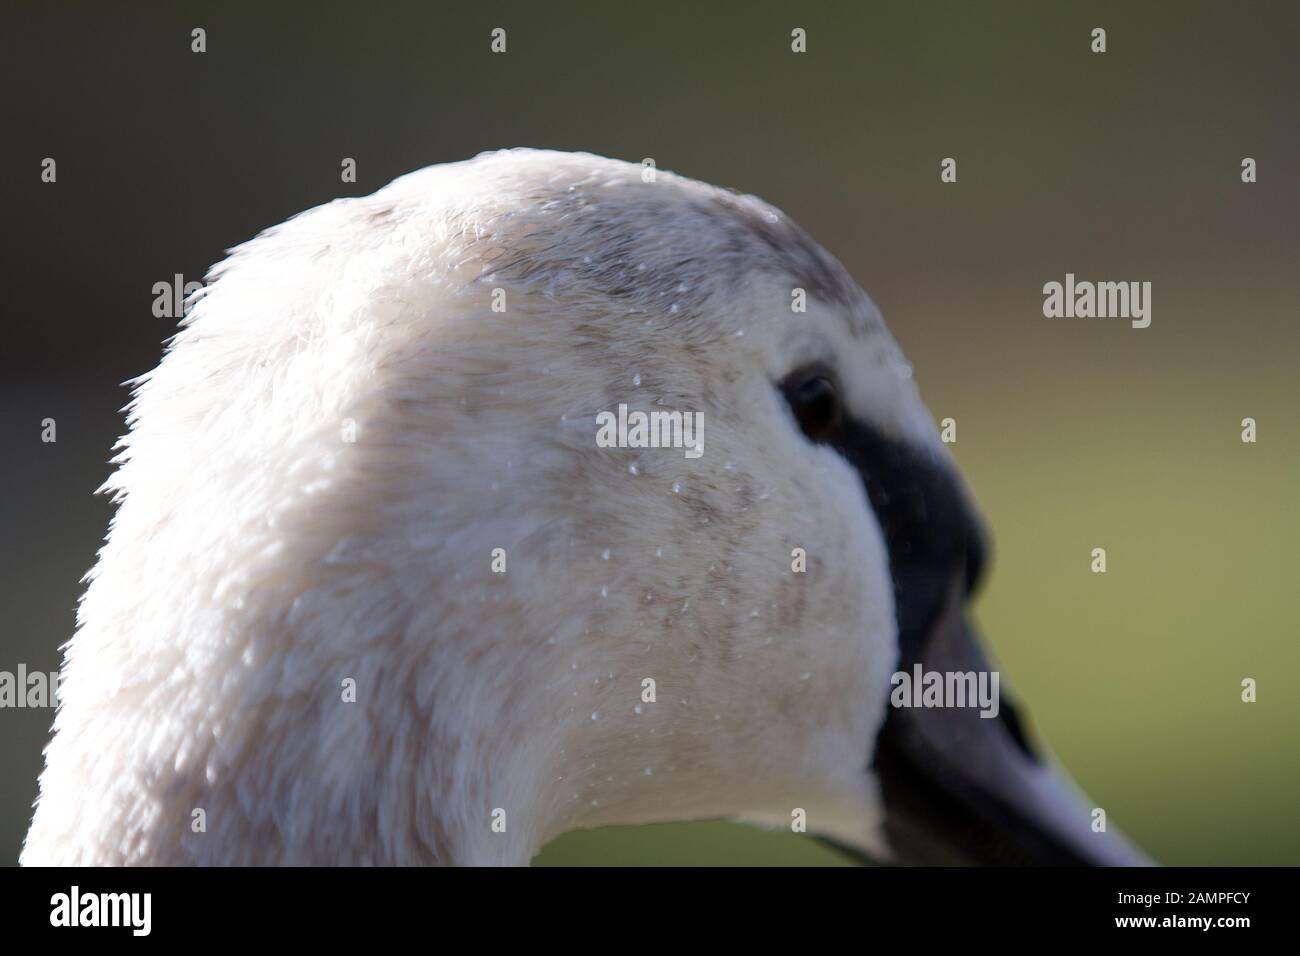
{"x":1073,"y":434}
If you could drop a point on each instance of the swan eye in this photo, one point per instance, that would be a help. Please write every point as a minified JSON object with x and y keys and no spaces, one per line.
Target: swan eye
{"x":815,"y":400}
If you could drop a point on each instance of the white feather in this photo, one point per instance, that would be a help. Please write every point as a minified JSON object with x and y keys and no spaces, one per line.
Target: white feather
{"x":257,"y":558}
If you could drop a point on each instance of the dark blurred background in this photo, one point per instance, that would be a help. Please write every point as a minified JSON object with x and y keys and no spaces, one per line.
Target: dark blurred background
{"x":1074,"y":434}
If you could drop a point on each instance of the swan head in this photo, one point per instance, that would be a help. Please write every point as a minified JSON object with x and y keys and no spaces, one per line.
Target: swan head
{"x":377,"y":589}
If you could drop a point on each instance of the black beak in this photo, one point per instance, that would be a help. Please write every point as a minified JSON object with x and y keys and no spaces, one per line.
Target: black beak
{"x":961,"y":784}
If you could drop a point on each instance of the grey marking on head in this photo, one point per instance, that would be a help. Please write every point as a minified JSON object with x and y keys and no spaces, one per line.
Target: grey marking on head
{"x":785,"y":246}
{"x":667,"y":258}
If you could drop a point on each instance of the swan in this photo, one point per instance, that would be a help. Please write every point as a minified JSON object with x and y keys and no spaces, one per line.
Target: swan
{"x":374,"y":593}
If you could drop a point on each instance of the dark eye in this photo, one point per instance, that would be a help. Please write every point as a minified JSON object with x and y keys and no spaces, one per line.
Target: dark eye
{"x":815,"y":400}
